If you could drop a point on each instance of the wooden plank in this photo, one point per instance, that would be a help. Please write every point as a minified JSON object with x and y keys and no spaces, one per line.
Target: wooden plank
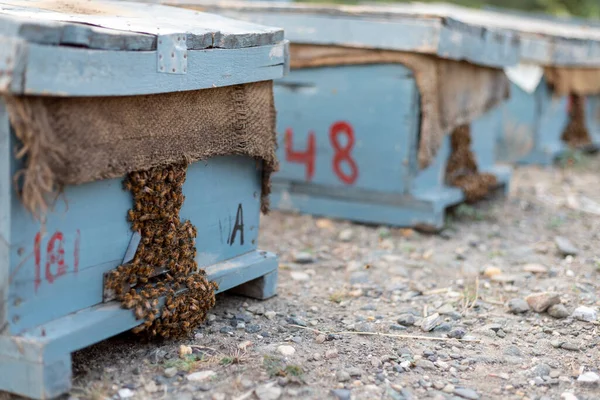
{"x":36,"y":380}
{"x":95,"y":242}
{"x":5,"y":214}
{"x":83,"y":328}
{"x":372,"y":111}
{"x":79,"y":72}
{"x":378,"y":27}
{"x":118,"y":25}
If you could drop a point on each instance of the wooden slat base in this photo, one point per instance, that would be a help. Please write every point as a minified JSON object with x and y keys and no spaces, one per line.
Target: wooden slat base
{"x":37,"y":363}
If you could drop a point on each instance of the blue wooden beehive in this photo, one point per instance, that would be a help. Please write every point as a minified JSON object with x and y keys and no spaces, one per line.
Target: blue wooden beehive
{"x":351,"y":133}
{"x":162,"y":66}
{"x":558,"y":70}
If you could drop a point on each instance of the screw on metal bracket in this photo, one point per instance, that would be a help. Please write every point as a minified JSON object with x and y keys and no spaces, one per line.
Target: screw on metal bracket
{"x":171,"y":53}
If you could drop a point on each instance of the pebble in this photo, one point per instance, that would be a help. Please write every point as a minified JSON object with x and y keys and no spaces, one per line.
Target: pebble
{"x":568,"y":396}
{"x":406,"y":320}
{"x":332,"y":353}
{"x":184,"y":351}
{"x":518,"y":306}
{"x":286,"y":350}
{"x":268,"y":392}
{"x":218,"y":396}
{"x":341,"y":394}
{"x":396,"y":327}
{"x":303,"y":258}
{"x":151,"y":387}
{"x":300,"y":276}
{"x":321,"y":339}
{"x":535,"y":268}
{"x":253,"y":328}
{"x":466,"y":393}
{"x":586,"y":314}
{"x":296,"y":321}
{"x":457,"y":333}
{"x":589,"y":378}
{"x":565,"y":247}
{"x":449,"y":388}
{"x":541,"y":370}
{"x":569,"y":346}
{"x":558,"y":311}
{"x":226,"y":329}
{"x":512,"y":350}
{"x":430,"y":322}
{"x":490,"y":272}
{"x":270,"y":314}
{"x":425,"y":364}
{"x":346,"y":235}
{"x":170,"y":372}
{"x":126,"y":393}
{"x":342,"y":376}
{"x":540,"y":302}
{"x":201,"y":376}
{"x":244,"y":345}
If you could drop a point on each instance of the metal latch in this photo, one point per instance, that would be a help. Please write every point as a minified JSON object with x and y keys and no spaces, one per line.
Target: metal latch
{"x":172,"y":57}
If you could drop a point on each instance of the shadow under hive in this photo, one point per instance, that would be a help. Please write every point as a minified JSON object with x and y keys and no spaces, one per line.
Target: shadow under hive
{"x":164,"y":264}
{"x":576,"y":133}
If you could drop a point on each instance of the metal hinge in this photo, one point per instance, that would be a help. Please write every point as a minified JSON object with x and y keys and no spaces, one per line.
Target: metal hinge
{"x":171,"y":53}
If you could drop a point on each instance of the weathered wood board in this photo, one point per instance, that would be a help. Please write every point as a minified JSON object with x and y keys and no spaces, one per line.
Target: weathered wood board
{"x":52,"y":299}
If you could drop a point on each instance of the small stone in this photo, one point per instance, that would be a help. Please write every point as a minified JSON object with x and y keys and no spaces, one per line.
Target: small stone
{"x":568,"y":396}
{"x":396,"y":327}
{"x":406,"y":320}
{"x":518,"y":306}
{"x":512,"y":350}
{"x":253,"y":328}
{"x":449,"y":388}
{"x":184,"y":351}
{"x":126,"y":393}
{"x":491,"y":271}
{"x":226,"y":329}
{"x":268,"y":392}
{"x":218,"y":396}
{"x":541,"y":370}
{"x":466,"y":393}
{"x":303,"y":258}
{"x":540,"y":302}
{"x":589,"y":378}
{"x":244,"y":345}
{"x":240,"y":326}
{"x":457,"y":333}
{"x":300,"y":276}
{"x":270,"y":314}
{"x":151,"y":387}
{"x":569,"y":346}
{"x":565,"y":247}
{"x":296,"y":321}
{"x":317,"y":356}
{"x":170,"y":372}
{"x":321,"y":339}
{"x":425,"y":364}
{"x":375,"y":362}
{"x":286,"y":350}
{"x":586,"y":314}
{"x":558,"y":311}
{"x":430,"y":322}
{"x":332,"y":353}
{"x":342,"y":376}
{"x":341,"y":394}
{"x":201,"y":376}
{"x":535,"y":268}
{"x":346,"y":235}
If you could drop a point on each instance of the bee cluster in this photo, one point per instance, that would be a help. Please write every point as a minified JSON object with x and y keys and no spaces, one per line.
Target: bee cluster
{"x":576,"y":133}
{"x":462,"y":170}
{"x":161,"y":284}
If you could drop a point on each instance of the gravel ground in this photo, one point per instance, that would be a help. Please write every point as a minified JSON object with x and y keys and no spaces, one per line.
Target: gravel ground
{"x":501,"y":305}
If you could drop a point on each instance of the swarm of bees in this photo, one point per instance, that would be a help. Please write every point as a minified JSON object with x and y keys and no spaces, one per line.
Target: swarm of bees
{"x":576,"y":133}
{"x":161,"y":284}
{"x":462,"y":171}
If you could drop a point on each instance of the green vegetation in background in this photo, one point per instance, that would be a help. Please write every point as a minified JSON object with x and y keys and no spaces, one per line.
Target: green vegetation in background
{"x":579,"y":8}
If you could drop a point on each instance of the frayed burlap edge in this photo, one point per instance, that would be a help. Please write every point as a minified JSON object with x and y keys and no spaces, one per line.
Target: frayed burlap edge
{"x":70,"y":141}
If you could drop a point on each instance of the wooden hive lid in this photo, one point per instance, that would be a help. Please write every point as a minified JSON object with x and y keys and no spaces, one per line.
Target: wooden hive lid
{"x":85,"y":48}
{"x":480,"y":36}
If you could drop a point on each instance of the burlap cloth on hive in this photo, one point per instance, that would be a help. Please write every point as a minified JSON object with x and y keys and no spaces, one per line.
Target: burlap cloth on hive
{"x":452,"y":93}
{"x":69,"y":141}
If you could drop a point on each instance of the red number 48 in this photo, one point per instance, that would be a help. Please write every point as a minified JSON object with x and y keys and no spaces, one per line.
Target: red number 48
{"x":341,"y":154}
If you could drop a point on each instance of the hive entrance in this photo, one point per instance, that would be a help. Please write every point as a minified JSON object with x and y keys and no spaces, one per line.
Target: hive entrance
{"x":462,"y":171}
{"x":576,"y":133}
{"x":164,"y":265}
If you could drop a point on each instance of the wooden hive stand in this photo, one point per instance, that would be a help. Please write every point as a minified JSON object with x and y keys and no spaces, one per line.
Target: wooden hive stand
{"x":555,"y":91}
{"x":77,"y":54}
{"x":353,"y":132}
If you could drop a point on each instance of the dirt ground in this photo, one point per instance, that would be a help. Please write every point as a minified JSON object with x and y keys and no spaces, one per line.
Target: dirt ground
{"x":376,"y":313}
